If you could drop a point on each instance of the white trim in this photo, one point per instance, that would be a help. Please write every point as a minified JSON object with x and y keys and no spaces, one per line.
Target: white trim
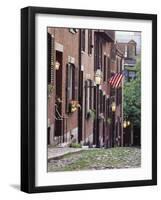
{"x":59,"y":47}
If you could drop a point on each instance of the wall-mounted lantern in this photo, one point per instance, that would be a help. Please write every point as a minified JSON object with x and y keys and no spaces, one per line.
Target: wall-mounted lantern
{"x":128,"y":123}
{"x":98,"y":77}
{"x":124,"y":124}
{"x":57,"y":65}
{"x":113,"y":106}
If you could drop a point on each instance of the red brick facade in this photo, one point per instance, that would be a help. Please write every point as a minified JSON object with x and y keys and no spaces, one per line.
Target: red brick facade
{"x":78,"y":109}
{"x":67,"y":45}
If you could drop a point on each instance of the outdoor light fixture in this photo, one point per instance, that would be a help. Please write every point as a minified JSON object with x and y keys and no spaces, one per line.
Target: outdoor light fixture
{"x":128,"y":123}
{"x":125,"y":124}
{"x":98,"y":77}
{"x":57,"y":65}
{"x":113,"y":106}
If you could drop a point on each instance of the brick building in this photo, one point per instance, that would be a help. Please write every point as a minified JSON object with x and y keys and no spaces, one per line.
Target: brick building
{"x":129,"y":49}
{"x":63,"y":50}
{"x":79,"y":96}
{"x":117,"y":66}
{"x":102,"y":61}
{"x":130,"y":54}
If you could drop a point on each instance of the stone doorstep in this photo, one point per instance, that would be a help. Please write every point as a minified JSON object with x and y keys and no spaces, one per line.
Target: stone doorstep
{"x":61,"y":154}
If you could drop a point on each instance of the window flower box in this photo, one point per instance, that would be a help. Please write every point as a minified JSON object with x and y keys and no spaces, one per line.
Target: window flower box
{"x":101,"y":116}
{"x":73,"y":106}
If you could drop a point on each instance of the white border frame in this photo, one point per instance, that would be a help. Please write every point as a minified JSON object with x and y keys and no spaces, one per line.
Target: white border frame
{"x":64,"y":178}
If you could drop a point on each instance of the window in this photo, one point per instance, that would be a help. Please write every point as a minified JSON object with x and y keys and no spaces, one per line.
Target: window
{"x":131,"y":50}
{"x":95,"y":51}
{"x":89,"y":41}
{"x":104,"y":68}
{"x":117,"y":65}
{"x":83,"y":40}
{"x":71,"y":84}
{"x":121,"y":65}
{"x":134,"y":50}
{"x":88,"y":95}
{"x":108,"y":68}
{"x":100,"y":54}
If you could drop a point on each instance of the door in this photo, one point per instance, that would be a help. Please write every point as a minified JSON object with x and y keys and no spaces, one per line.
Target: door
{"x":80,"y":113}
{"x":58,"y":96}
{"x":48,"y":136}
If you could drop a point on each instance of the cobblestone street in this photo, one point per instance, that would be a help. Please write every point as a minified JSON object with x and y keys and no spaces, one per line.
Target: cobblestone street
{"x":96,"y":159}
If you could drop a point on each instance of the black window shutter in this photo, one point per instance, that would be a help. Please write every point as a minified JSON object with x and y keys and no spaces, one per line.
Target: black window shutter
{"x":108,"y":107}
{"x":109,"y":68}
{"x":90,"y":95}
{"x":75,"y":76}
{"x":105,"y":68}
{"x":67,"y":87}
{"x":121,"y":65}
{"x":117,"y":65}
{"x":83,"y":40}
{"x":95,"y":52}
{"x":86,"y":85}
{"x":106,"y":112}
{"x":89,"y":41}
{"x":73,"y":82}
{"x":49,"y":58}
{"x":104,"y":104}
{"x":98,"y":101}
{"x":101,"y":101}
{"x":52,"y":58}
{"x":94,"y":98}
{"x":100,"y":54}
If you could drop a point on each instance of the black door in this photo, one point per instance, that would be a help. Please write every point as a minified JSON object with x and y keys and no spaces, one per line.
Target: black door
{"x":58,"y":96}
{"x":48,"y":136}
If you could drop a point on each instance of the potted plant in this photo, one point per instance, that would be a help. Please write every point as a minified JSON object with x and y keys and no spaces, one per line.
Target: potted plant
{"x":101,"y":116}
{"x":109,"y":120}
{"x":73,"y":106}
{"x":91,"y":114}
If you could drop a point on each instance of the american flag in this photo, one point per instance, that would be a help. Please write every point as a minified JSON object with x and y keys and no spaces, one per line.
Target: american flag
{"x":115,"y":80}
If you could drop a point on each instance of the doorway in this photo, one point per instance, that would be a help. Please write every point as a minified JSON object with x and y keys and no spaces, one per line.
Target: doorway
{"x":58,"y":96}
{"x":80,"y":113}
{"x":48,"y":136}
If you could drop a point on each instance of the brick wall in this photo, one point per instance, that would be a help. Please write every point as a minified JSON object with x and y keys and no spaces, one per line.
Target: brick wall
{"x":68,"y":44}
